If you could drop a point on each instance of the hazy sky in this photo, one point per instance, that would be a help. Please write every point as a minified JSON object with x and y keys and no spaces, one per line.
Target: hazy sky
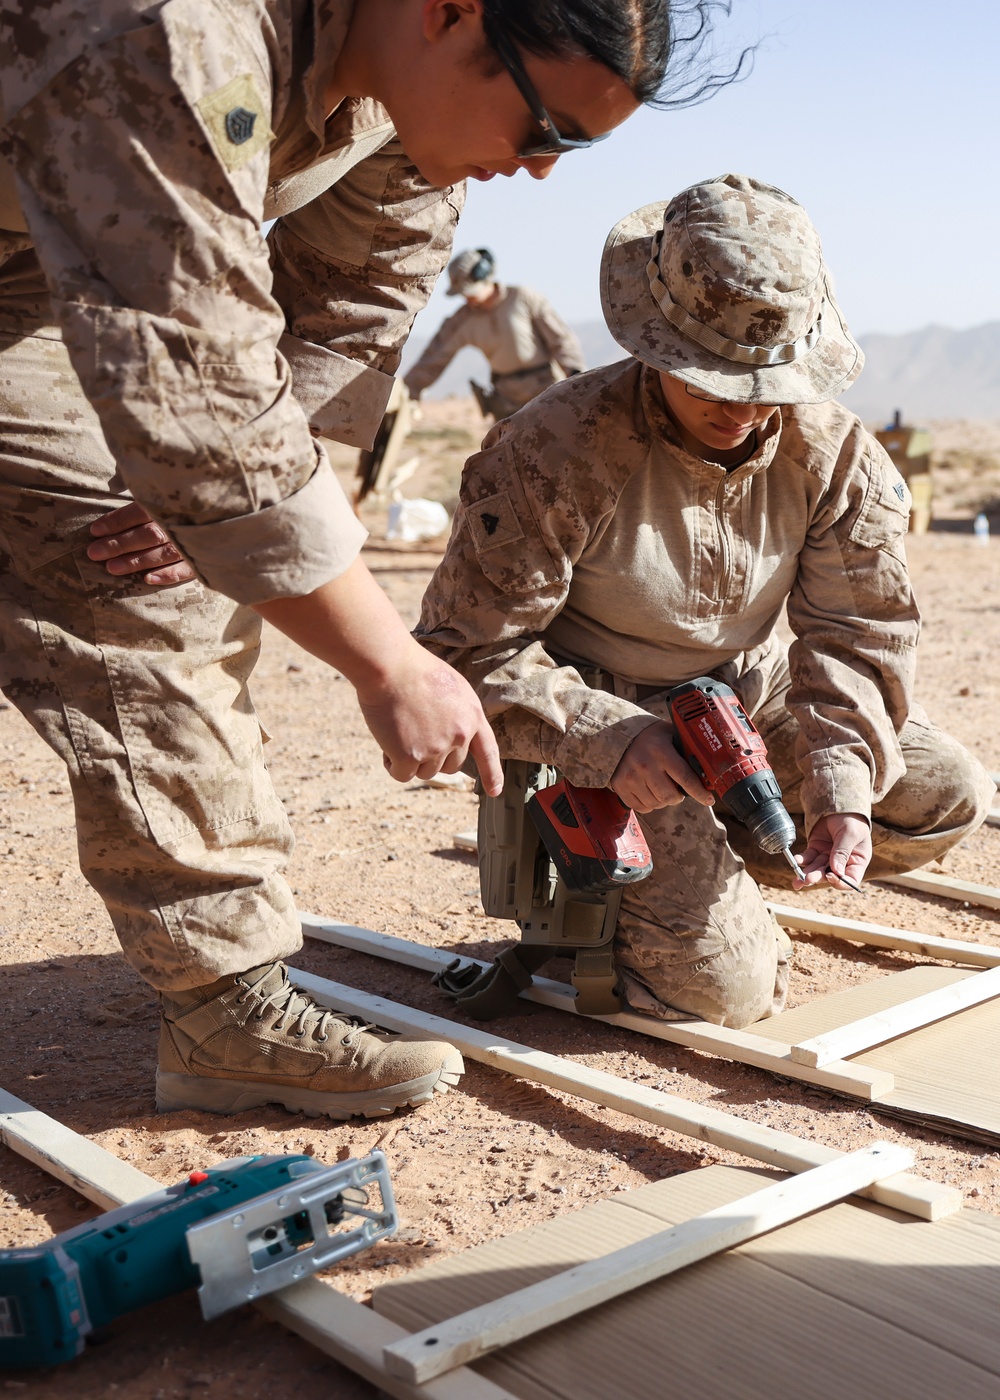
{"x":881,"y":116}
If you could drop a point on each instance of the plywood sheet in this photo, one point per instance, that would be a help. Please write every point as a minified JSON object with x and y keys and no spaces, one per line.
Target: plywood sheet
{"x":851,"y":1302}
{"x":946,"y":1073}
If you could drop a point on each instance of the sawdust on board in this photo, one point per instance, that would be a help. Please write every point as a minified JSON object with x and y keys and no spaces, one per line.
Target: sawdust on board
{"x":499,"y":1154}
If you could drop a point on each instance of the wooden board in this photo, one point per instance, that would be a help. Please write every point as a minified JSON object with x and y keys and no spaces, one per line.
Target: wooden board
{"x":943,"y":1075}
{"x":751,"y":1049}
{"x":898,"y":1020}
{"x":849,"y":1303}
{"x":478,"y":1331}
{"x":929,"y":1200}
{"x":928,"y":882}
{"x":883,"y":936}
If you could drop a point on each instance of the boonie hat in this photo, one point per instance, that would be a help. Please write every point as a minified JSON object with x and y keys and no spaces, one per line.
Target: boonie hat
{"x":476,"y":265}
{"x":724,"y":287}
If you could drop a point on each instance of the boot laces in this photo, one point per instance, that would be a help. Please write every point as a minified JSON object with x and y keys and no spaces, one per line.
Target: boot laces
{"x":298,"y":1013}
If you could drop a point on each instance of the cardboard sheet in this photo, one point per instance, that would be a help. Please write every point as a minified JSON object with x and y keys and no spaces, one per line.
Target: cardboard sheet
{"x":852,"y":1302}
{"x":946,"y":1073}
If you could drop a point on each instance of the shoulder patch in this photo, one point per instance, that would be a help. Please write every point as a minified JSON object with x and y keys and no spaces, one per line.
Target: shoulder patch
{"x":493,"y":522}
{"x":235,"y":119}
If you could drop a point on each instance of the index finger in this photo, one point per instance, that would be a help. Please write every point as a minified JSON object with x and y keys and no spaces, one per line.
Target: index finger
{"x":484,"y":750}
{"x":678,"y":768}
{"x":124,"y":517}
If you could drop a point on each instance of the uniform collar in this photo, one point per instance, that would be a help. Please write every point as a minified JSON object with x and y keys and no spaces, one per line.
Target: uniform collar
{"x":662,"y":427}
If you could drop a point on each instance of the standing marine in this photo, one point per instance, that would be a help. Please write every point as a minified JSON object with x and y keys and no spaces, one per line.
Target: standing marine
{"x":527,"y":343}
{"x":164,"y":372}
{"x":649,"y":523}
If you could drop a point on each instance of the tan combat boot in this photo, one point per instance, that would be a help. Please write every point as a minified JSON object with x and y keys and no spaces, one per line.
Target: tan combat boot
{"x":253,"y":1039}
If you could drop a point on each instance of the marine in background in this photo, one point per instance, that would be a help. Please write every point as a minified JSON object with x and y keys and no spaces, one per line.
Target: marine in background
{"x":528,"y":344}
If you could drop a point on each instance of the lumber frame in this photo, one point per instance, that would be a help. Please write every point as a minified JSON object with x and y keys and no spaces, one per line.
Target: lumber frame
{"x":897,"y":1020}
{"x":928,"y":882}
{"x":473,"y":1334}
{"x":860,"y":1081}
{"x":926,"y":1199}
{"x":352,"y":1334}
{"x":925,"y":945}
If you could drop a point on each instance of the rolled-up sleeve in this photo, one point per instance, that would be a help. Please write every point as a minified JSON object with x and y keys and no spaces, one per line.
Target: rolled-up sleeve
{"x":146,"y":223}
{"x":856,"y":623}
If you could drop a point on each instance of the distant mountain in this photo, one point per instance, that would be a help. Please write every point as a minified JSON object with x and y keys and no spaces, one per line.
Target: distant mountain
{"x":930,"y":373}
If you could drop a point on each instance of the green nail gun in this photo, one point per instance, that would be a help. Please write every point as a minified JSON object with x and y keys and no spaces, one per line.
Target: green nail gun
{"x":235,"y":1231}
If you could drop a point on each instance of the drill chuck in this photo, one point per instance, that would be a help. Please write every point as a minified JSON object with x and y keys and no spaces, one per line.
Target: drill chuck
{"x":756,"y":802}
{"x":772,"y":828}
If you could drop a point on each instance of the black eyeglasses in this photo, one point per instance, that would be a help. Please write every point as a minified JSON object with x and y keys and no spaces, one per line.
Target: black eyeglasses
{"x":554,"y":144}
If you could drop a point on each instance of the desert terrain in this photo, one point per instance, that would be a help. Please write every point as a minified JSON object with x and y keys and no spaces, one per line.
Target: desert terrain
{"x":496,"y":1154}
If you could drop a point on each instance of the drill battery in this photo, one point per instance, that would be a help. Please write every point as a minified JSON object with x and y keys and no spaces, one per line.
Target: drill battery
{"x":594,"y":840}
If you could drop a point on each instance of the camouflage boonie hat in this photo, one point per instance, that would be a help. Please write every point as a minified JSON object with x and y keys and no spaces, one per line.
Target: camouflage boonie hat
{"x":725,"y":288}
{"x":475,"y":265}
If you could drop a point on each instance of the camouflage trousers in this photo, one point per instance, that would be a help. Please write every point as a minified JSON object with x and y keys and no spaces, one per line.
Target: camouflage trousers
{"x":143,"y":694}
{"x":695,"y":938}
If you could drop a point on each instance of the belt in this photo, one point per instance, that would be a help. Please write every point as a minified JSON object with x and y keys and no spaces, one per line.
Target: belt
{"x":599,"y":679}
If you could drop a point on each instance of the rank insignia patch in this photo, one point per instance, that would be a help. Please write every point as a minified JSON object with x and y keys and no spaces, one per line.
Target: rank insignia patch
{"x":236,"y":121}
{"x":239,"y":125}
{"x":493,"y":522}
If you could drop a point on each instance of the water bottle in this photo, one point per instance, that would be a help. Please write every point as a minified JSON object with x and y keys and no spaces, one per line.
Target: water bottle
{"x":981,"y":528}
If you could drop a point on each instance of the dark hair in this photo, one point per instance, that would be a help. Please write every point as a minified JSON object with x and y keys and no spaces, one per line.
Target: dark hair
{"x":656,"y":47}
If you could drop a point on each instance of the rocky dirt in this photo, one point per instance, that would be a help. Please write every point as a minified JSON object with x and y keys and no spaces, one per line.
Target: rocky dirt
{"x":497,"y":1154}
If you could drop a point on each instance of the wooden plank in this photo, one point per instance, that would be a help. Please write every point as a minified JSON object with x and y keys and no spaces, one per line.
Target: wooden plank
{"x":343,"y":1329}
{"x":357,"y":1337}
{"x":856,"y":931}
{"x":927,"y":882}
{"x":858,"y":1080}
{"x":75,"y":1160}
{"x":926,"y":1199}
{"x":897,"y":1020}
{"x":473,"y":1334}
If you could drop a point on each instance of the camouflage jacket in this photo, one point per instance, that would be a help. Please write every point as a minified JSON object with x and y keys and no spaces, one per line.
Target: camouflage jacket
{"x":588,"y":537}
{"x":521,"y":331}
{"x":150,"y":140}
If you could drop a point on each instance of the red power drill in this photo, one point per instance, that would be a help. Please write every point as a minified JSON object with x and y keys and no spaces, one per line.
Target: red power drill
{"x":720,"y":742}
{"x":593,"y":839}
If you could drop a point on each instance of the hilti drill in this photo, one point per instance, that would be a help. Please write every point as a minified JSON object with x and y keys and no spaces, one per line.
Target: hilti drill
{"x":720,"y":742}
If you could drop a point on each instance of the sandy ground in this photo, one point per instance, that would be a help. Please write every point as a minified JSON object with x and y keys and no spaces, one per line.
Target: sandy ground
{"x":497,"y":1154}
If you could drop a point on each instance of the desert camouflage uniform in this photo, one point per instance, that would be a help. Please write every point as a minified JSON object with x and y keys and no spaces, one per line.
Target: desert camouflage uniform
{"x":594,"y":563}
{"x":141,"y":315}
{"x":529,"y":346}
